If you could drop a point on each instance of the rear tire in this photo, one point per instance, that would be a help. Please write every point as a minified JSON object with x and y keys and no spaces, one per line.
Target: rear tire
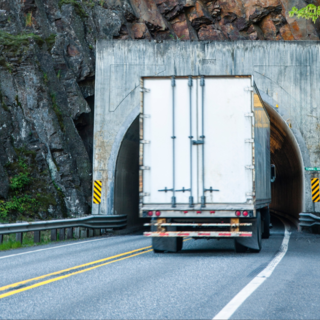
{"x":157,"y":251}
{"x":239,"y":248}
{"x":266,"y":224}
{"x":180,"y":243}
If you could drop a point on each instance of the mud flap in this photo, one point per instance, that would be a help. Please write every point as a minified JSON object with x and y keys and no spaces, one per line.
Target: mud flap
{"x":170,"y":244}
{"x":253,"y":242}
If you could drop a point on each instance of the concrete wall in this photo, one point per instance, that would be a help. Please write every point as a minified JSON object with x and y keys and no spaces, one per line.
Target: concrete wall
{"x":287,"y":74}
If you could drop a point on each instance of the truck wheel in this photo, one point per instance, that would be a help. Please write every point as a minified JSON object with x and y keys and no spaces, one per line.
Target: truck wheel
{"x":266,"y":225}
{"x":170,"y":244}
{"x":179,"y":243}
{"x":239,"y":248}
{"x":259,"y":233}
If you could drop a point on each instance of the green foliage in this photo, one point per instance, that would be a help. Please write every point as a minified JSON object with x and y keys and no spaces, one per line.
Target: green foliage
{"x":19,"y":204}
{"x":309,"y":12}
{"x":19,"y":181}
{"x":77,"y":7}
{"x":59,"y":74}
{"x":101,"y":3}
{"x":29,"y":19}
{"x":23,"y":203}
{"x":57,"y":111}
{"x":28,"y":240}
{"x":18,"y":43}
{"x":50,"y":41}
{"x":45,"y":77}
{"x":11,"y":244}
{"x":90,"y":46}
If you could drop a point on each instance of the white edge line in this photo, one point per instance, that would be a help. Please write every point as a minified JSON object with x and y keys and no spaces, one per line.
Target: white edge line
{"x":51,"y":248}
{"x":254,"y":284}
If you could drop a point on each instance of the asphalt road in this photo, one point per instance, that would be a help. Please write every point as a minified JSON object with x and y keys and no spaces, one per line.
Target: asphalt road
{"x":196,"y":283}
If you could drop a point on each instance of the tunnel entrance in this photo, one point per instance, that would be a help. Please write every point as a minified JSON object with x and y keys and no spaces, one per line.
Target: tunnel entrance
{"x":287,"y":191}
{"x":126,"y":189}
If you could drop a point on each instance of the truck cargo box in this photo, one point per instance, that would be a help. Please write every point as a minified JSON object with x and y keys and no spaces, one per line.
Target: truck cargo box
{"x":205,"y":147}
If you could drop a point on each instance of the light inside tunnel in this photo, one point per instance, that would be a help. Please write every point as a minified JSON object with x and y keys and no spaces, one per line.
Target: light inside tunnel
{"x":287,"y":190}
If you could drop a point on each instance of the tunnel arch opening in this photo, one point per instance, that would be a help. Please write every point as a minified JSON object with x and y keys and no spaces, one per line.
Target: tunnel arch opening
{"x":287,"y":192}
{"x":126,"y":186}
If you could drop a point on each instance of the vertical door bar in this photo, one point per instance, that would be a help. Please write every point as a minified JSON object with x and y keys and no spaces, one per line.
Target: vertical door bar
{"x":173,"y":199}
{"x":203,"y":198}
{"x":190,"y":137}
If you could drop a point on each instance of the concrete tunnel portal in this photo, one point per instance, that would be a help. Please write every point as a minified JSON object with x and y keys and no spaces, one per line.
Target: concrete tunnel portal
{"x":287,"y":191}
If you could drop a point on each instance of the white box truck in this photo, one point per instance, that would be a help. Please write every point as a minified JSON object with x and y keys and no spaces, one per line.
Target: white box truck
{"x":204,"y":160}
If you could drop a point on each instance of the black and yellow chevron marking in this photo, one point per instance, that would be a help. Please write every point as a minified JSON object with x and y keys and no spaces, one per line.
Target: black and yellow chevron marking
{"x":315,"y":190}
{"x":97,"y":187}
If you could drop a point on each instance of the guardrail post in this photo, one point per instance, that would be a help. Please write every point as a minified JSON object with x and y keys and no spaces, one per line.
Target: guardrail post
{"x":89,"y":233}
{"x":19,"y":237}
{"x":62,"y":232}
{"x":54,"y":235}
{"x":69,"y":233}
{"x":37,"y":236}
{"x":1,"y":238}
{"x":77,"y":232}
{"x":83,"y":233}
{"x":97,"y":232}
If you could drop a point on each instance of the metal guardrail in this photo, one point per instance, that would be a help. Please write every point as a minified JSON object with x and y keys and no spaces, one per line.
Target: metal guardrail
{"x":90,"y":222}
{"x":308,"y":220}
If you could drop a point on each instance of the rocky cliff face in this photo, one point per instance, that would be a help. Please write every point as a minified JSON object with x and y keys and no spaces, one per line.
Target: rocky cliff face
{"x":47,"y":67}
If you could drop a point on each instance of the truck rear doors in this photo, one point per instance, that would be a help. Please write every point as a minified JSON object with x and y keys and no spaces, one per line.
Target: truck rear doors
{"x":196,"y":141}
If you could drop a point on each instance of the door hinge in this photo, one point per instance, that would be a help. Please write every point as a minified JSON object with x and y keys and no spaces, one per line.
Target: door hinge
{"x":250,"y":114}
{"x":144,"y":141}
{"x":251,"y":167}
{"x":144,"y":168}
{"x":144,"y":194}
{"x":250,"y":194}
{"x":249,"y":140}
{"x":144,"y":90}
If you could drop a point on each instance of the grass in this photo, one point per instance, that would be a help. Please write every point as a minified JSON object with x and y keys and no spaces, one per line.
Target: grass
{"x":9,"y":241}
{"x":16,"y":43}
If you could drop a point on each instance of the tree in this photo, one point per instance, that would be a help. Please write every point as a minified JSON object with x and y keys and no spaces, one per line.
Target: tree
{"x":309,"y":12}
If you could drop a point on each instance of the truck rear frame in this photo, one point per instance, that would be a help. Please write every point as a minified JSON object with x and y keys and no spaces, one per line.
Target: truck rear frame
{"x":194,"y":206}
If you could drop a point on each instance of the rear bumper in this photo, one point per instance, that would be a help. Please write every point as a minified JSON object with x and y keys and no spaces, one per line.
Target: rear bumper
{"x":194,"y":234}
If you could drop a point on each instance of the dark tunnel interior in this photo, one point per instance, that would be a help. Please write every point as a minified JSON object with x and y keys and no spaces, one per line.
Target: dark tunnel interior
{"x":126,"y":189}
{"x":287,"y":190}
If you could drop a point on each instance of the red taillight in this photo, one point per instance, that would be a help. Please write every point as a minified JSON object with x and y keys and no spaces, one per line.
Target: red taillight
{"x":212,"y":212}
{"x":198,"y":211}
{"x":245,"y":213}
{"x":185,"y":211}
{"x":158,"y":213}
{"x":238,"y":213}
{"x":150,"y":213}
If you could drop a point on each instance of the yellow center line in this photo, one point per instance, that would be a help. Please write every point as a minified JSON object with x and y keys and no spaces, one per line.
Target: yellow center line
{"x":65,"y":276}
{"x":73,"y":273}
{"x":69,"y":269}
